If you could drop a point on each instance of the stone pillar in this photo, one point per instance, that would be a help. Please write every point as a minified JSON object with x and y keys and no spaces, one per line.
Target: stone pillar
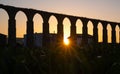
{"x":119,"y":32}
{"x":60,"y":37}
{"x":84,"y":30}
{"x":95,"y":30}
{"x":46,"y":36}
{"x":11,"y":26}
{"x":73,"y":31}
{"x":12,"y":32}
{"x":30,"y":34}
{"x":104,"y":24}
{"x":113,"y":25}
{"x":30,"y":29}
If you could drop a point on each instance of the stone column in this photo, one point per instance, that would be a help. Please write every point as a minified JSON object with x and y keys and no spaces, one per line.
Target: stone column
{"x":11,"y":26}
{"x":30,"y":29}
{"x":95,"y":30}
{"x":46,"y":36}
{"x":12,"y":32}
{"x":104,"y":24}
{"x":119,"y":32}
{"x":113,"y":25}
{"x":84,"y":30}
{"x":73,"y":31}
{"x":60,"y":37}
{"x":30,"y":34}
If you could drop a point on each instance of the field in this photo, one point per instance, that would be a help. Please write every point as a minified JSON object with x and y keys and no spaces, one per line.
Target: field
{"x":98,"y":59}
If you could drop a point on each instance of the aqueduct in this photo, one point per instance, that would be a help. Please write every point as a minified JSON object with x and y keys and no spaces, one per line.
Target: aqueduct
{"x":12,"y":11}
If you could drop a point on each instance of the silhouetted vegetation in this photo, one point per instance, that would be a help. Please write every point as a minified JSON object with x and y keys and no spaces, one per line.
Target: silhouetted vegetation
{"x":100,"y":59}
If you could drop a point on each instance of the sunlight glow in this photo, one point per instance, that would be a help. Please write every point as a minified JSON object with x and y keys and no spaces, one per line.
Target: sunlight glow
{"x":66,"y":41}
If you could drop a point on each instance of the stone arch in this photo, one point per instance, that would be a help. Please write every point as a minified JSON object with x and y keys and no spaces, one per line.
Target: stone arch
{"x":38,"y":21}
{"x":90,"y":28}
{"x":66,"y":27}
{"x":100,"y":32}
{"x":4,"y":21}
{"x":79,"y":26}
{"x":20,"y":23}
{"x":109,"y":33}
{"x":117,"y":29}
{"x":53,"y":24}
{"x":38,"y":29}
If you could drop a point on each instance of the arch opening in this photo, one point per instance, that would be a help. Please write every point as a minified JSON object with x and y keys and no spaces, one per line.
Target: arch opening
{"x":66,"y":29}
{"x":38,"y":21}
{"x":38,"y":30}
{"x":100,"y":32}
{"x":90,"y":28}
{"x":79,"y":26}
{"x":109,"y":33}
{"x":53,"y":24}
{"x":4,"y":22}
{"x":117,"y":34}
{"x":20,"y":27}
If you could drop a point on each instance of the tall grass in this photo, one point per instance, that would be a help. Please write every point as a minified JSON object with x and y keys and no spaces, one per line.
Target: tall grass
{"x":97,"y":59}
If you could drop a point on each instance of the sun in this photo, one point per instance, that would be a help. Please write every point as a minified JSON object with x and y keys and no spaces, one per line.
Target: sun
{"x":66,"y":41}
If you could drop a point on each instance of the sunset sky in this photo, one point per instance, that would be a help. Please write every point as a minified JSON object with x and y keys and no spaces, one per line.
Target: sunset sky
{"x":98,"y":9}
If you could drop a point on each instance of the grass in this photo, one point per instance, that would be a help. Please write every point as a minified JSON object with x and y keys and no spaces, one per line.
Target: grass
{"x":98,"y":59}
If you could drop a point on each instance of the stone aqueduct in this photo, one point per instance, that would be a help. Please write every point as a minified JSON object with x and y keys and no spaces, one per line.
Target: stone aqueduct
{"x":12,"y":11}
